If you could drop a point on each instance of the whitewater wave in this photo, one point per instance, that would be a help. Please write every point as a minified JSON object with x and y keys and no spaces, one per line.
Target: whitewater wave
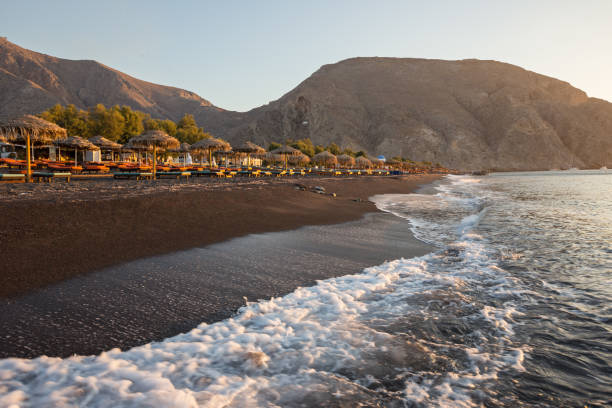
{"x":430,"y":331}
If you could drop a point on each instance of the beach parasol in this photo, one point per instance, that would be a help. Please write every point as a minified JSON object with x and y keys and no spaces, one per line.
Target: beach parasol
{"x":325,"y":158}
{"x":209,"y":145}
{"x":157,"y":139}
{"x":183,"y":148}
{"x":346,"y":160}
{"x":363,"y":162}
{"x":299,"y":159}
{"x":30,"y":129}
{"x":249,"y":148}
{"x":286,"y":151}
{"x":376,"y":162}
{"x":105,"y":144}
{"x":77,"y":143}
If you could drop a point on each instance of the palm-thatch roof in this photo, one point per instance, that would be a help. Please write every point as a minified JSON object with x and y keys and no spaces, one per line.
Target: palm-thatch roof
{"x":325,"y":158}
{"x":363,"y":162}
{"x":271,"y":157}
{"x":155,"y":138}
{"x":249,"y":147}
{"x":39,"y":130}
{"x":346,"y":160}
{"x":76,"y":142}
{"x":287,"y":150}
{"x":299,"y":159}
{"x":183,"y":148}
{"x":130,"y":148}
{"x":104,"y":144}
{"x":210,"y":144}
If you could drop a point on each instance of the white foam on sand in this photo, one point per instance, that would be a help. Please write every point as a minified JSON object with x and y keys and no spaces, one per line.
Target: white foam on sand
{"x":348,"y":340}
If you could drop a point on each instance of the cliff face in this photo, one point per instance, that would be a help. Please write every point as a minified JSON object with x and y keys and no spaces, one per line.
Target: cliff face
{"x":466,"y":114}
{"x":31,"y":82}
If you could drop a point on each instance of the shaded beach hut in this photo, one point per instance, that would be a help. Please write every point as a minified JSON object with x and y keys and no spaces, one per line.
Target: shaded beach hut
{"x":106,"y":145}
{"x":325,"y":158}
{"x":157,"y":139}
{"x":249,"y":148}
{"x":286,"y":151}
{"x":209,"y":145}
{"x":345,"y":160}
{"x":77,"y":143}
{"x":30,"y":129}
{"x":363,"y":162}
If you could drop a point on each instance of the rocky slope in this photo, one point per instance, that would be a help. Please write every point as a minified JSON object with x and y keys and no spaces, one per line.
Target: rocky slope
{"x":466,"y":114}
{"x":31,"y":82}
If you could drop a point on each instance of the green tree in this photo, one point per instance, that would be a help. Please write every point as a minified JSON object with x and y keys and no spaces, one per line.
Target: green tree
{"x":166,"y":125}
{"x":349,"y":151}
{"x":188,"y":130}
{"x":71,"y":118}
{"x":109,"y":123}
{"x":319,"y":149}
{"x":334,"y":149}
{"x":133,"y":123}
{"x":305,"y":146}
{"x":361,"y":153}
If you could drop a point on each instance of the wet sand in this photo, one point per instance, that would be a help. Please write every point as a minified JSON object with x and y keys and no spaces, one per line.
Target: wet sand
{"x":53,"y":232}
{"x":155,"y":298}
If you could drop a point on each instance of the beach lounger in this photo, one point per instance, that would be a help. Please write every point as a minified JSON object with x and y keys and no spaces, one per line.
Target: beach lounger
{"x":174,"y":174}
{"x":12,"y":177}
{"x":50,"y":176}
{"x":136,"y":175}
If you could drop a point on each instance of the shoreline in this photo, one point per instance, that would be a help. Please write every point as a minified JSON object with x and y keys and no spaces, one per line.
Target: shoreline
{"x":61,"y":231}
{"x":153,"y":298}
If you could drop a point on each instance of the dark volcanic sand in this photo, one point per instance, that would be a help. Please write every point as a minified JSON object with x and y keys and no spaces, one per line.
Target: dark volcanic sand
{"x":49,"y":233}
{"x":157,"y":297}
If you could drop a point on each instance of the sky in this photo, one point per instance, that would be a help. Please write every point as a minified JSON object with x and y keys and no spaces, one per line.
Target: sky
{"x":243,"y":54}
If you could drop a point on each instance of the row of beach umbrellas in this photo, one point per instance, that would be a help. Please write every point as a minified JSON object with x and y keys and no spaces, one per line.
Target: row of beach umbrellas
{"x":32,"y":130}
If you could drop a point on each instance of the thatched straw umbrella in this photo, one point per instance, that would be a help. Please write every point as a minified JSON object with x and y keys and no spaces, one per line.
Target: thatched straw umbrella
{"x":105,"y":144}
{"x":346,"y":160}
{"x":377,"y":163}
{"x":363,"y":162}
{"x":225,"y":154}
{"x":249,"y":148}
{"x":275,"y":158}
{"x":77,"y":143}
{"x":300,"y":159}
{"x":183,"y":148}
{"x":30,"y":129}
{"x":393,"y":163}
{"x":157,"y":139}
{"x":325,"y":158}
{"x":286,"y":151}
{"x":209,"y":145}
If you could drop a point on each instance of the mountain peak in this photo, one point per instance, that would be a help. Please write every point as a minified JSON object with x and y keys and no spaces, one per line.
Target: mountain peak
{"x":33,"y":82}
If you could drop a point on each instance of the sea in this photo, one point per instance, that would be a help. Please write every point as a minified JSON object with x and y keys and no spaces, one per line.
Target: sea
{"x":512,"y":309}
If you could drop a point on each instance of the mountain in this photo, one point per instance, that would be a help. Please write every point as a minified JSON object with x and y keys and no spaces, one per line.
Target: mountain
{"x":468,"y":114}
{"x":31,"y":82}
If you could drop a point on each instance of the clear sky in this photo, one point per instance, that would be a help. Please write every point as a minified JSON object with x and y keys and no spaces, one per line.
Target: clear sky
{"x":240,"y":55}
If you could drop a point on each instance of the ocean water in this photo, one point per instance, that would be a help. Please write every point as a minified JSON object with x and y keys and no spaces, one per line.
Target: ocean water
{"x":513,"y":309}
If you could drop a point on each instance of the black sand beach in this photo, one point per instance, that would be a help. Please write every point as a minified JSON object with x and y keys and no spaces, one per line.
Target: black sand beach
{"x":158,"y":297}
